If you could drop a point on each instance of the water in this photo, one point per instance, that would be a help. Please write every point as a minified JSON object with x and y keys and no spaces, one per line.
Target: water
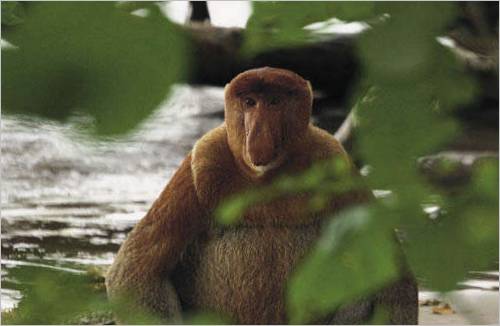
{"x":68,"y":201}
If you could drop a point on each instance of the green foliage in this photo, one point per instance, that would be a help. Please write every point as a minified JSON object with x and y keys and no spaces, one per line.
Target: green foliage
{"x":99,"y":60}
{"x":406,"y":119}
{"x":323,"y":179}
{"x":12,"y":13}
{"x":234,"y":206}
{"x":53,"y":297}
{"x":206,"y":318}
{"x":464,"y":238}
{"x":60,"y":297}
{"x":343,"y":267}
{"x":380,"y":316}
{"x":280,"y":23}
{"x":485,"y":181}
{"x":90,"y":58}
{"x":410,"y":85}
{"x":131,"y":314}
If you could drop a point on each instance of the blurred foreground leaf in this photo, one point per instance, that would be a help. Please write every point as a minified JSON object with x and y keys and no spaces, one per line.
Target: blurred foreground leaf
{"x":91,"y":58}
{"x":12,"y":13}
{"x":64,"y":297}
{"x":414,"y":84}
{"x":276,"y":24}
{"x":322,"y":180}
{"x":380,"y":316}
{"x":102,"y":61}
{"x":205,"y":318}
{"x":355,"y":256}
{"x":464,"y":238}
{"x":417,"y":83}
{"x":54,"y":297}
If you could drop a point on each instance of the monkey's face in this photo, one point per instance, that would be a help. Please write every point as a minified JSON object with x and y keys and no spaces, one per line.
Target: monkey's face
{"x":267,"y":111}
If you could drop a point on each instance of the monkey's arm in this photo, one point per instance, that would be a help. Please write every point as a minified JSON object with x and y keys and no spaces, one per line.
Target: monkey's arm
{"x":153,"y":248}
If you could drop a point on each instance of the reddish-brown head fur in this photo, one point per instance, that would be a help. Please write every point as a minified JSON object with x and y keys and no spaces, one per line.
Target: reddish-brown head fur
{"x":267,"y":110}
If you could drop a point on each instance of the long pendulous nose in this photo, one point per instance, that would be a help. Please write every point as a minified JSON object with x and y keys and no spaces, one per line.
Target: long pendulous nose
{"x":262,"y":137}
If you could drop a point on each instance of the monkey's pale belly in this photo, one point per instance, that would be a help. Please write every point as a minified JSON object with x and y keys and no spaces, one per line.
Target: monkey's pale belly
{"x":242,"y":272}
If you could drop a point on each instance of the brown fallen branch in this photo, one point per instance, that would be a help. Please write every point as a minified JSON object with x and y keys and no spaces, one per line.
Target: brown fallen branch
{"x":331,"y":66}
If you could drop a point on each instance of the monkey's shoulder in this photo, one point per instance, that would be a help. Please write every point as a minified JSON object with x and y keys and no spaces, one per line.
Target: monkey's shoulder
{"x":319,"y":145}
{"x":215,"y":173}
{"x":211,"y":152}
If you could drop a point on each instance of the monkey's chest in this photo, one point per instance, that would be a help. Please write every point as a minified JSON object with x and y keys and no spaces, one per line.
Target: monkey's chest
{"x":242,"y":272}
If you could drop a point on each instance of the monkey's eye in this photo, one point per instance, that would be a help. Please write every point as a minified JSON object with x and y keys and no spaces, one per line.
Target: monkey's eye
{"x":250,"y":101}
{"x":274,"y":101}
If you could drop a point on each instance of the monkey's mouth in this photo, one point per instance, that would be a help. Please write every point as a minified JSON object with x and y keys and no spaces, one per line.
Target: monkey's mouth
{"x":262,"y":159}
{"x":261,"y":167}
{"x":263,"y":143}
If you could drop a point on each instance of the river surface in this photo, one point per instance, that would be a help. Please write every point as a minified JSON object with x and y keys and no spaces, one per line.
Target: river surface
{"x":68,"y":200}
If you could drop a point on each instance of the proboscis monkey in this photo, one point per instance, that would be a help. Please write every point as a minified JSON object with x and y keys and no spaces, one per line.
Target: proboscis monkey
{"x":177,"y":258}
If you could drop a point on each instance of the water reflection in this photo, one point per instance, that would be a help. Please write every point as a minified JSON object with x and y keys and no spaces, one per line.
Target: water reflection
{"x":68,"y":201}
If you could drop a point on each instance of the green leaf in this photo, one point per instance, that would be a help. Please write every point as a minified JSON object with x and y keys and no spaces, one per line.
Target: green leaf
{"x":91,"y":58}
{"x":380,"y":316}
{"x":354,"y":257}
{"x":465,"y":240}
{"x":280,"y":23}
{"x":53,"y":297}
{"x":418,"y":82}
{"x":485,"y":180}
{"x":323,"y":180}
{"x":396,"y":127}
{"x":402,"y":48}
{"x":413,"y":76}
{"x":12,"y":13}
{"x":206,"y":318}
{"x":231,"y":209}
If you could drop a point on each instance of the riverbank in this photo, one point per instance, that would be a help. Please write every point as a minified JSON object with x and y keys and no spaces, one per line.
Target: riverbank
{"x":462,"y":307}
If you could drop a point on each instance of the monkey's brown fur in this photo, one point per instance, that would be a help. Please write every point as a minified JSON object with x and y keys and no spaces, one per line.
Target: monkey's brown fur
{"x":178,"y":258}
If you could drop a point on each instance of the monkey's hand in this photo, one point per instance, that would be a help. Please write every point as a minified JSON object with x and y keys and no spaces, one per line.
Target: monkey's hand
{"x":142,"y":266}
